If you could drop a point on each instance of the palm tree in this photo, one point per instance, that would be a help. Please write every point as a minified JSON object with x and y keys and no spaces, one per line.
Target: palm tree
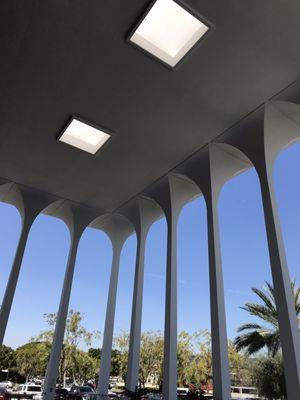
{"x":255,"y":336}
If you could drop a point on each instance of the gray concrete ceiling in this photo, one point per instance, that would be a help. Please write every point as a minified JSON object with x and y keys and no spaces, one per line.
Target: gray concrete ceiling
{"x":64,"y":57}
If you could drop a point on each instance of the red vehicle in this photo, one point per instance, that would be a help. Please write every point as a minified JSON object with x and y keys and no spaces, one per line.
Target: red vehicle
{"x":4,"y":395}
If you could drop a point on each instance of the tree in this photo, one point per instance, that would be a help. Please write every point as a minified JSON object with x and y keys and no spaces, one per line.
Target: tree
{"x":75,"y":334}
{"x":120,"y":354}
{"x":7,"y":358}
{"x":32,"y":359}
{"x":94,"y":353}
{"x":240,"y":367}
{"x":151,"y":357}
{"x":267,"y":336}
{"x":83,"y":367}
{"x":203,"y":360}
{"x":268,"y":377}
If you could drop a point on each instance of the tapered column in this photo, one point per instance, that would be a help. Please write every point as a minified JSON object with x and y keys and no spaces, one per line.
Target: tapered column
{"x":58,"y":338}
{"x":13,"y":278}
{"x":29,"y":204}
{"x":220,"y":362}
{"x":136,"y":316}
{"x":285,"y":303}
{"x":142,"y":213}
{"x":104,"y":373}
{"x":210,"y":169}
{"x":170,"y":349}
{"x":278,"y":127}
{"x":173,"y":193}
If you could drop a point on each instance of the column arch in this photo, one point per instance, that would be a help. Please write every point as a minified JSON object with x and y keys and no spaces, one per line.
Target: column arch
{"x":77,"y":219}
{"x":279,"y":126}
{"x":118,"y":228}
{"x":90,"y":286}
{"x":171,"y":194}
{"x":29,"y":204}
{"x":224,"y":160}
{"x":286,"y":177}
{"x":40,"y":279}
{"x":142,"y":212}
{"x":193,"y":283}
{"x":11,"y":224}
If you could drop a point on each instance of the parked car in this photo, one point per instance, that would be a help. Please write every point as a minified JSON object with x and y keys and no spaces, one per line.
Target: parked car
{"x":31,"y":389}
{"x":7,"y":384}
{"x":4,"y":395}
{"x":182,"y":391}
{"x":80,"y":392}
{"x":61,"y":394}
{"x":241,"y":392}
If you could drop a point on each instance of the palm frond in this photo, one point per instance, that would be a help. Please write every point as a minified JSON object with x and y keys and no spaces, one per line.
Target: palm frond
{"x":256,"y":336}
{"x":248,"y":327}
{"x":273,"y":343}
{"x":251,"y":342}
{"x":267,"y":298}
{"x":259,"y":310}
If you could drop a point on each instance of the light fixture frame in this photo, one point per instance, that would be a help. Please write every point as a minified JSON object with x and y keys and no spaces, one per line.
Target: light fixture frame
{"x":92,"y":125}
{"x":191,"y":11}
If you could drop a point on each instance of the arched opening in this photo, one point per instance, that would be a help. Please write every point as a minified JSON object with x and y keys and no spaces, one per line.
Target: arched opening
{"x":37,"y":293}
{"x":119,"y":358}
{"x":80,"y":358}
{"x":246,"y":265}
{"x":286,"y":178}
{"x":9,"y":238}
{"x":194,"y":329}
{"x":153,"y":313}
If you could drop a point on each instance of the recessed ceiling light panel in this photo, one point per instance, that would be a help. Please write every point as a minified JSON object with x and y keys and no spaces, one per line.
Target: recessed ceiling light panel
{"x":84,"y":136}
{"x":168,"y":31}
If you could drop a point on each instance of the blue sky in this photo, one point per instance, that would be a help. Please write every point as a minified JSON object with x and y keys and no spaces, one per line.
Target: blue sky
{"x":244,"y":252}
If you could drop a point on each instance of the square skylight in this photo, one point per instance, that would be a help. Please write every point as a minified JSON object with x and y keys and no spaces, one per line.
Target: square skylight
{"x":84,"y":136}
{"x":168,"y":31}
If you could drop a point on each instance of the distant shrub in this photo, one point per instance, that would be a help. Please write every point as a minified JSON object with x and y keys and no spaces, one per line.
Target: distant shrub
{"x":268,"y":377}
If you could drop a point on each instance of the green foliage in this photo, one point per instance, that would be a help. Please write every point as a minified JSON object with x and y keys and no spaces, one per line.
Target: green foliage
{"x":151,"y":357}
{"x":194,"y":360}
{"x":7,"y":358}
{"x":94,"y":353}
{"x":194,"y":357}
{"x":32,"y":358}
{"x":82,"y":366}
{"x":241,"y":367}
{"x":268,"y":377}
{"x":120,"y":354}
{"x":73,"y":363}
{"x":256,"y":336}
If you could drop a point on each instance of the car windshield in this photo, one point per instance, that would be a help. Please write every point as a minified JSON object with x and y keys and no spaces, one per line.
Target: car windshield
{"x":34,"y":389}
{"x":249,"y":391}
{"x":85,"y":389}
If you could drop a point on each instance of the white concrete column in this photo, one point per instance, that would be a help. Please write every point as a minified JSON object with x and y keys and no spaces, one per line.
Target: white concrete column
{"x":118,"y":228}
{"x":76,"y":218}
{"x":170,"y":345}
{"x":285,"y":304}
{"x":105,"y":365}
{"x":13,"y":278}
{"x":142,"y":214}
{"x":172,"y":196}
{"x":210,"y":169}
{"x":136,"y":316}
{"x":220,"y":362}
{"x":279,"y":126}
{"x":29,"y":204}
{"x":58,"y":337}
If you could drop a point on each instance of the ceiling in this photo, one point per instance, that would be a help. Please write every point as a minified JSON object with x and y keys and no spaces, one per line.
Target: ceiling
{"x":64,"y":57}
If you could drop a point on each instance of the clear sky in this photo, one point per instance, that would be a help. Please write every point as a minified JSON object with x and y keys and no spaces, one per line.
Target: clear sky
{"x":244,"y":252}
